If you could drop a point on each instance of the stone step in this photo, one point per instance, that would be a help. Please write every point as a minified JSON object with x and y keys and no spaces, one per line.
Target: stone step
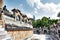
{"x":3,"y":31}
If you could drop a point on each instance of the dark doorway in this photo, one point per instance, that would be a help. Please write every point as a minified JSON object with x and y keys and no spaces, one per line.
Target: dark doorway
{"x":45,"y":31}
{"x":59,"y":33}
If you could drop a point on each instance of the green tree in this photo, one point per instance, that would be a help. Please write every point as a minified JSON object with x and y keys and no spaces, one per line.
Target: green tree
{"x":38,"y":23}
{"x":34,"y":24}
{"x":45,"y":21}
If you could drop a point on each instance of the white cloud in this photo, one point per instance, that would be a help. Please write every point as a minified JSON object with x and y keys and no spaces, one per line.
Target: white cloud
{"x":30,"y":2}
{"x":29,"y":15}
{"x":21,"y":5}
{"x":48,"y":8}
{"x":35,"y":10}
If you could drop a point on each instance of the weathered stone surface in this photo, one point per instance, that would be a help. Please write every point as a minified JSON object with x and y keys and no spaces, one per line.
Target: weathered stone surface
{"x":19,"y":35}
{"x":0,"y":3}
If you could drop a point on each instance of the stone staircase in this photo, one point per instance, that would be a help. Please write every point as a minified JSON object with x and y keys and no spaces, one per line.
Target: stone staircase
{"x":4,"y":35}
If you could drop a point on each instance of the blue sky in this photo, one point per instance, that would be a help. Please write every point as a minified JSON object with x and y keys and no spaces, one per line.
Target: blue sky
{"x":39,"y":8}
{"x":49,"y":1}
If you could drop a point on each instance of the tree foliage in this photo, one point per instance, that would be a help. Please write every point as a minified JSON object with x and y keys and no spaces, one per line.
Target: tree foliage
{"x":43,"y":22}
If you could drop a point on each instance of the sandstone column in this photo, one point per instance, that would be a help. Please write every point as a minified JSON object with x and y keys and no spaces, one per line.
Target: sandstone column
{"x":1,"y":1}
{"x":15,"y":16}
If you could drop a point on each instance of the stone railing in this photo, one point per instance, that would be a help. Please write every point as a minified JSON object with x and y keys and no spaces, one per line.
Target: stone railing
{"x":9,"y":20}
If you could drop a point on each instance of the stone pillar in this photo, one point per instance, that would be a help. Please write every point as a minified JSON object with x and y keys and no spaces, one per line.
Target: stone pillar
{"x":27,"y":20}
{"x":1,"y":11}
{"x":1,"y":1}
{"x":3,"y":22}
{"x":3,"y":25}
{"x":2,"y":15}
{"x":15,"y":15}
{"x":20,"y":19}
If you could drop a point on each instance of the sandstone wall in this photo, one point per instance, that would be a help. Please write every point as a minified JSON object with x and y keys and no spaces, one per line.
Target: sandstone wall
{"x":19,"y":35}
{"x":0,"y":3}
